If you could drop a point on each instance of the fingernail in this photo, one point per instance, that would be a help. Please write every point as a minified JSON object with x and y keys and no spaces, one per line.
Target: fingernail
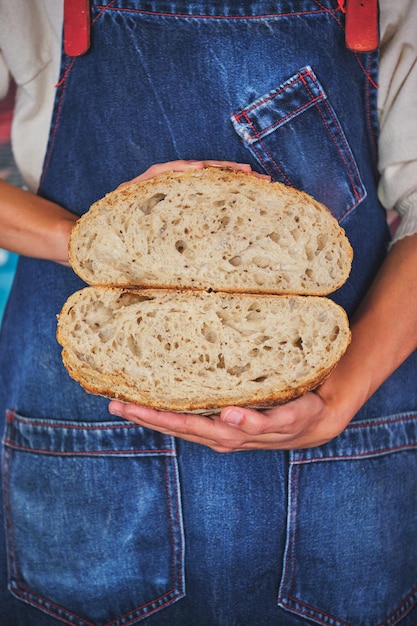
{"x":233,"y":417}
{"x":114,"y":410}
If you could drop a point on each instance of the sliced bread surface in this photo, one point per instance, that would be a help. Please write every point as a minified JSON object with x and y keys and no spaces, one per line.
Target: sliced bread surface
{"x":212,"y":228}
{"x":199,"y":351}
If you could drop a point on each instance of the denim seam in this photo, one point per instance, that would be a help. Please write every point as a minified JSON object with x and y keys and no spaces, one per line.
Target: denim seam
{"x":368,"y":109}
{"x":177,"y":571}
{"x":12,"y":417}
{"x":266,"y":151}
{"x":357,"y":56}
{"x":357,"y":455}
{"x":59,"y":612}
{"x":323,"y":10}
{"x":406,"y":605}
{"x":258,"y":135}
{"x":290,"y":602}
{"x":133,"y":453}
{"x":307,"y":71}
{"x":342,"y":138}
{"x":11,"y":557}
{"x":358,"y":426}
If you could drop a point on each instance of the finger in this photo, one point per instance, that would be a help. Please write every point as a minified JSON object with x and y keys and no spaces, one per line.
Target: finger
{"x":203,"y":430}
{"x":287,"y":420}
{"x":244,"y":167}
{"x":188,"y":426}
{"x":159,"y":168}
{"x":181,"y":165}
{"x":208,"y":431}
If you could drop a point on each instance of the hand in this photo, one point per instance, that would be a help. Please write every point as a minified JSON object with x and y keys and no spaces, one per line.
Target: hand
{"x":306,"y":422}
{"x":182,"y":166}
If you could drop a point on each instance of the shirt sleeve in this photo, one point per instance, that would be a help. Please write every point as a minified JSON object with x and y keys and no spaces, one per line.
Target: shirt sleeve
{"x":4,"y":77}
{"x":398,"y":112}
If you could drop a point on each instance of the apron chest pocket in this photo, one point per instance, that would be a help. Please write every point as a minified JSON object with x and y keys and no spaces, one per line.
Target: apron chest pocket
{"x":94,"y":526}
{"x":295,"y":135}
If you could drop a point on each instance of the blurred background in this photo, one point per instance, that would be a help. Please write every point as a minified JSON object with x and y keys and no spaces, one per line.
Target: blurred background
{"x":8,"y":172}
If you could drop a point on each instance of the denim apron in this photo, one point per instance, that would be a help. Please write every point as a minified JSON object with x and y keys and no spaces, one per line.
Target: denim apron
{"x":109,"y":524}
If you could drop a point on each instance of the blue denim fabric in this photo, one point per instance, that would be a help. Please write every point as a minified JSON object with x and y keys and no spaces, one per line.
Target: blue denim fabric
{"x":108,"y":524}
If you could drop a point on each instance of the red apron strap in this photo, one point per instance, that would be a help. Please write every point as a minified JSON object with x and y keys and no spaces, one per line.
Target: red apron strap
{"x":76,"y":27}
{"x":362,"y":25}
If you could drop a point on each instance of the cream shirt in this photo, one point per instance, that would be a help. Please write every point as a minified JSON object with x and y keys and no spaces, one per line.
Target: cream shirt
{"x":30,"y":42}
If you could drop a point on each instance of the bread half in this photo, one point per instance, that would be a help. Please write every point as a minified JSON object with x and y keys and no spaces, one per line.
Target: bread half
{"x":199,"y":351}
{"x":211,"y":228}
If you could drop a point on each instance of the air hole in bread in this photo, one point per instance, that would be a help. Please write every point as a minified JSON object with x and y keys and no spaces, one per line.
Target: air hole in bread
{"x":259,"y":280}
{"x":321,"y":242}
{"x":296,"y":234}
{"x":237,"y":370}
{"x":235,"y":261}
{"x":262,"y":339}
{"x":209,"y":334}
{"x":259,"y":379}
{"x":310,"y":252}
{"x":261,"y":261}
{"x":254,"y":316}
{"x":128,"y":299}
{"x":298,"y":343}
{"x":147,"y":207}
{"x":335,"y":334}
{"x":106,"y":334}
{"x":180,"y":246}
{"x":274,"y":237}
{"x":133,"y":346}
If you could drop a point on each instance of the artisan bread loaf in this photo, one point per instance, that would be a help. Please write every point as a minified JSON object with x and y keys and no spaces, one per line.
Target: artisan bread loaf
{"x":213,"y":228}
{"x":198,"y":351}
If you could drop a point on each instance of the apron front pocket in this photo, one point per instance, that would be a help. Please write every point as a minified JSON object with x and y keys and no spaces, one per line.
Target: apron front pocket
{"x":350,"y":556}
{"x":93,"y":519}
{"x":295,"y":135}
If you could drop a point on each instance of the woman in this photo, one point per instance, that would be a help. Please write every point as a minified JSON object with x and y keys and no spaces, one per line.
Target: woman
{"x":111,"y":522}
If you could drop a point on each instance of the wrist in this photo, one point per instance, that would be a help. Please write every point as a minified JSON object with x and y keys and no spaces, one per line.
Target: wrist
{"x":60,"y":239}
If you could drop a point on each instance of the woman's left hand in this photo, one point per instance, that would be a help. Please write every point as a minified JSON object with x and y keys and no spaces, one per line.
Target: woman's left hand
{"x":182,"y":165}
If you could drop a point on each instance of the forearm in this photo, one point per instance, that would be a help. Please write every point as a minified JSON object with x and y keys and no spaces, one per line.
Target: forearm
{"x":384,"y":331}
{"x":33,"y":226}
